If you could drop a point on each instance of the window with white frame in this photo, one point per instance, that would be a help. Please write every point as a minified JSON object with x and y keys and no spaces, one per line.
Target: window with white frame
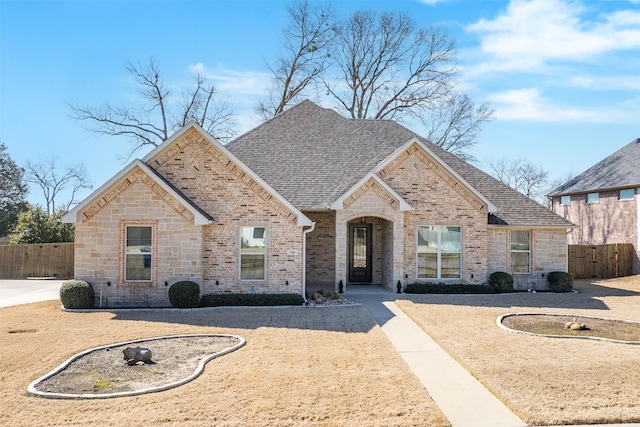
{"x":520,"y":251}
{"x":439,"y":252}
{"x":565,"y":200}
{"x":626,"y":194}
{"x":593,"y":197}
{"x":253,"y":253}
{"x":138,"y":253}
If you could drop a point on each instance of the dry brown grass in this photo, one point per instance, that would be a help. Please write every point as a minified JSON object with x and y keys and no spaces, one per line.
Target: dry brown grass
{"x":301,"y":366}
{"x":543,"y":380}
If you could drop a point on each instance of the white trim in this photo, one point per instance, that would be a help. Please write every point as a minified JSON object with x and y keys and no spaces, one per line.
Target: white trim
{"x":488,"y":205}
{"x":73,"y":215}
{"x":402,"y":204}
{"x":302,"y":218}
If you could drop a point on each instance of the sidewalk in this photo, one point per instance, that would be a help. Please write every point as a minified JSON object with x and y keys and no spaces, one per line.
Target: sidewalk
{"x":464,"y":401}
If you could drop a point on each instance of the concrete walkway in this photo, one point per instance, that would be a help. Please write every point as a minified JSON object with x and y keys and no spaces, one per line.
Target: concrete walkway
{"x":464,"y":401}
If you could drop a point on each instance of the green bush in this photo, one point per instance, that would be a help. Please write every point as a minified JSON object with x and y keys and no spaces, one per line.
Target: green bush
{"x":560,"y":281}
{"x":184,"y":294}
{"x":76,"y":294}
{"x":442,"y":288}
{"x":501,"y":281}
{"x":228,"y":299}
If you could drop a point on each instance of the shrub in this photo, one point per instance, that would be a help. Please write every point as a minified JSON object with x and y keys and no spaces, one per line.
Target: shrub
{"x":560,"y":281}
{"x":501,"y":281}
{"x":228,"y":299}
{"x":76,"y":294}
{"x":442,"y":288}
{"x":184,"y":294}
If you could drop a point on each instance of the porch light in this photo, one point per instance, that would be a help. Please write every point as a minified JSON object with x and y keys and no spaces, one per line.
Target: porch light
{"x":399,"y":287}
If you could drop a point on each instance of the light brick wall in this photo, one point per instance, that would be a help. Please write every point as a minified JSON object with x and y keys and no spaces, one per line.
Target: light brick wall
{"x":438,"y":199}
{"x":211,"y":179}
{"x":610,"y":220}
{"x":321,"y":249}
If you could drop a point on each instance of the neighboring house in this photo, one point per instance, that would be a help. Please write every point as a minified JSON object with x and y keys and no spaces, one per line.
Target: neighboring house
{"x":307,"y":198}
{"x":603,"y":201}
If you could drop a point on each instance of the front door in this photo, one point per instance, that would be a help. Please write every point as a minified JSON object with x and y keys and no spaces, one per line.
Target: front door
{"x":360,"y":270}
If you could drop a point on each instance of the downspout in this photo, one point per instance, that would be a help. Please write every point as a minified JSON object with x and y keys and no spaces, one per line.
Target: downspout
{"x":304,"y":260}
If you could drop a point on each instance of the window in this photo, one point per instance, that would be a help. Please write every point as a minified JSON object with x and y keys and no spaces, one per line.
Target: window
{"x":593,"y":197}
{"x":627,"y":194}
{"x":520,"y":251}
{"x":565,"y":200}
{"x":439,"y":252}
{"x":252,"y":253}
{"x":138,"y":253}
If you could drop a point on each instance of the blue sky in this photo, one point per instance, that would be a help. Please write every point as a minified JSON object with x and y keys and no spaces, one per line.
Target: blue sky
{"x":563,"y":76}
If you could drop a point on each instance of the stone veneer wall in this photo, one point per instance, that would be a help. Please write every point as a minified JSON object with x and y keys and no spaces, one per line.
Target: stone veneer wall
{"x":438,"y":198}
{"x":321,"y":249}
{"x":99,"y":247}
{"x":211,"y":179}
{"x":549,"y":252}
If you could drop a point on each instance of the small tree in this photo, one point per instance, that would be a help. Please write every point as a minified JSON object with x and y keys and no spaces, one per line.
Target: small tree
{"x":36,"y":225}
{"x":523,"y":176}
{"x":13,"y":191}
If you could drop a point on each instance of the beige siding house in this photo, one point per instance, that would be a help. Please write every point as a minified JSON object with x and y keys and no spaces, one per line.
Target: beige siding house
{"x":307,"y":198}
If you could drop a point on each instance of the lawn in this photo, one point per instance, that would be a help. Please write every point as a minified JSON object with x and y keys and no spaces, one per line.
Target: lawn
{"x":300,"y":367}
{"x":543,"y":380}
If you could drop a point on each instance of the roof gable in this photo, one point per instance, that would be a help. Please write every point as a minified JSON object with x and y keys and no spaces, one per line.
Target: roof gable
{"x":157,"y":152}
{"x":619,"y":170}
{"x":488,"y":205}
{"x":372,"y":182}
{"x":199,"y":216}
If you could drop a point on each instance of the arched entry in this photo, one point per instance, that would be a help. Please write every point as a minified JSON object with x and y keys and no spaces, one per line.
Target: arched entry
{"x":370,"y":253}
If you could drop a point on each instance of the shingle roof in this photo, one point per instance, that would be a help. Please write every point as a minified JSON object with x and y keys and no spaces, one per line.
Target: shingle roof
{"x":312,"y":155}
{"x":619,"y":170}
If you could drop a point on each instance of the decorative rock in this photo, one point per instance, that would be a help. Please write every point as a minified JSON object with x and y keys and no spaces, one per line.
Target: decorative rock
{"x":137,"y":354}
{"x":335,"y":295}
{"x":320,"y":299}
{"x":575,"y":326}
{"x":317,"y":295}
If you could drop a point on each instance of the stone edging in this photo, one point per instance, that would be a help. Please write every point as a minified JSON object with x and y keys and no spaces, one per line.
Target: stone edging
{"x":201,"y":364}
{"x":587,"y":337}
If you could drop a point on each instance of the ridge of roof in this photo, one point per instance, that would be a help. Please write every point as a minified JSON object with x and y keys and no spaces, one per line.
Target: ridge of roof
{"x":620,"y":169}
{"x":312,"y":156}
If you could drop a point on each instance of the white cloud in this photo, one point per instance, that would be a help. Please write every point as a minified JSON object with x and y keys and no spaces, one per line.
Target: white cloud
{"x":434,"y":2}
{"x":529,"y":105}
{"x":531,"y":33}
{"x":232,"y":82}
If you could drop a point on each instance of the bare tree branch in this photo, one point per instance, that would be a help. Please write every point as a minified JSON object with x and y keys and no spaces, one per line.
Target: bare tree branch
{"x":52,"y":182}
{"x":306,"y":41}
{"x":149,"y":123}
{"x":523,"y":176}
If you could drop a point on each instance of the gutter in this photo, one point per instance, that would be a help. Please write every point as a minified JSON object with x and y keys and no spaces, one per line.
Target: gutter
{"x":304,"y":260}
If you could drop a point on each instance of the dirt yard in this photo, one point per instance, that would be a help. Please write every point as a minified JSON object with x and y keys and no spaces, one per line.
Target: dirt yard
{"x":543,"y":380}
{"x":300,"y":367}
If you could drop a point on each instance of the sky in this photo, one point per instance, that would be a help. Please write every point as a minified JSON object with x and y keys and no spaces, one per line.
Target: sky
{"x":563,"y":76}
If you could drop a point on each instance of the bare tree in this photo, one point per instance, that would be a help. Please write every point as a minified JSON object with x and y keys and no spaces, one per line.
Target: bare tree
{"x":454,"y":124}
{"x":390,"y":68}
{"x":523,"y":176}
{"x":151,"y":122}
{"x":306,"y":42}
{"x":387,"y":68}
{"x":53,"y":182}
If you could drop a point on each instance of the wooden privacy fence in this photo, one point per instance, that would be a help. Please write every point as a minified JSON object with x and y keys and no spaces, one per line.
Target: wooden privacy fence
{"x":36,"y":260}
{"x":601,"y":261}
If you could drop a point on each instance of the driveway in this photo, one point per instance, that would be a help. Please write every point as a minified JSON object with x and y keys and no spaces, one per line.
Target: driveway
{"x":15,"y":292}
